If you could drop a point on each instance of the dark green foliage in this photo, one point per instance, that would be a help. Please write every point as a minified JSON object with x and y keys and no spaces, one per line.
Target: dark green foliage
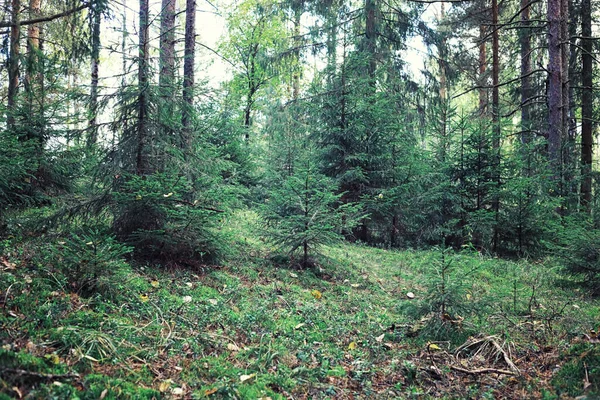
{"x":303,"y":211}
{"x":580,"y":252}
{"x":581,"y":373}
{"x":439,"y":314}
{"x":161,"y":217}
{"x":91,"y":262}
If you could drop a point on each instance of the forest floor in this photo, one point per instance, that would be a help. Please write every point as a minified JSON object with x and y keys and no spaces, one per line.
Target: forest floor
{"x":364,"y":323}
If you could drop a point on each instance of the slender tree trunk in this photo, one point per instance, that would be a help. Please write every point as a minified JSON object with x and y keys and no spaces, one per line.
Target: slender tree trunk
{"x":297,"y":42}
{"x":188,"y":72}
{"x":526,"y":92}
{"x":564,"y":52}
{"x":142,"y":157}
{"x":496,"y":132}
{"x":167,"y":51}
{"x":442,"y":54}
{"x":33,"y":81}
{"x":92,"y":138}
{"x":587,"y":138}
{"x":371,"y":38}
{"x":483,"y":94}
{"x":555,"y":97}
{"x":495,"y":76}
{"x":13,"y":62}
{"x":33,"y":47}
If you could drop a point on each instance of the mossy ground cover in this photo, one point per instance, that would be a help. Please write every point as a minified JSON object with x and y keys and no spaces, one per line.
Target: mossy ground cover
{"x":249,"y":328}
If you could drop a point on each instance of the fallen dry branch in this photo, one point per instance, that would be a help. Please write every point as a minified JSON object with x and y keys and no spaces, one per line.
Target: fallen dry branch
{"x":488,"y":348}
{"x":39,"y":375}
{"x":483,"y":371}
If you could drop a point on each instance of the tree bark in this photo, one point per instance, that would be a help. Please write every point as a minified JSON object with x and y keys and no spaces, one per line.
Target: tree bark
{"x":496,"y":132}
{"x":555,"y":97}
{"x":526,"y":92}
{"x":167,"y":50}
{"x":142,"y":156}
{"x":297,"y":42}
{"x":442,"y":59}
{"x":495,"y":76}
{"x":587,"y":138}
{"x":13,"y":62}
{"x":92,"y":138}
{"x":188,"y":72}
{"x":483,"y":94}
{"x":33,"y":47}
{"x":371,"y":38}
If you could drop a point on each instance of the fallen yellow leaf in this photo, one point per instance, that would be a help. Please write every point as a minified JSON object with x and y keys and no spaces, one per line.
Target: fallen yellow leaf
{"x":433,"y":346}
{"x":155,"y":283}
{"x":208,"y":392}
{"x":53,"y":358}
{"x":316,"y":294}
{"x":352,"y":346}
{"x":244,"y":378}
{"x":144,"y":298}
{"x":164,"y":385}
{"x":232,"y":347}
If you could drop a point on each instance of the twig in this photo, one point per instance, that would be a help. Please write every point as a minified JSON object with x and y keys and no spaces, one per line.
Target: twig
{"x":39,"y":375}
{"x":483,"y":371}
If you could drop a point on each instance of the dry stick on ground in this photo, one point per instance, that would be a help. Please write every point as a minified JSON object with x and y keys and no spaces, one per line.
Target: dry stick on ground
{"x":497,"y":349}
{"x":483,"y":371}
{"x":39,"y":375}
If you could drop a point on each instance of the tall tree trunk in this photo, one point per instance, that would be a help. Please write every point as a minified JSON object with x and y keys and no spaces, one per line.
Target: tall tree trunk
{"x":167,"y":51}
{"x":297,"y":43}
{"x":526,"y":92}
{"x":371,"y":38}
{"x":483,"y":94}
{"x":587,"y":138}
{"x":33,"y":47}
{"x":564,"y":51}
{"x":188,"y":72}
{"x":143,"y":147}
{"x":496,"y":132}
{"x":555,"y":97}
{"x":13,"y":61}
{"x":33,"y":81}
{"x":442,"y":61}
{"x":92,"y":138}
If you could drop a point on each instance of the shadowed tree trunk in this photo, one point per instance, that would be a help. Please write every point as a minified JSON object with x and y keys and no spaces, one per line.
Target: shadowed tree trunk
{"x":13,"y":61}
{"x":188,"y":72}
{"x":92,"y":138}
{"x":555,"y":97}
{"x":167,"y":51}
{"x":587,"y":138}
{"x":34,"y":78}
{"x":526,"y":92}
{"x":298,"y":9}
{"x":483,"y":96}
{"x":496,"y":132}
{"x":143,"y":147}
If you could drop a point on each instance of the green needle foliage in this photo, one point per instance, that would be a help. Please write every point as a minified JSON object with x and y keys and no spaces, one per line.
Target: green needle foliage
{"x":304,"y":211}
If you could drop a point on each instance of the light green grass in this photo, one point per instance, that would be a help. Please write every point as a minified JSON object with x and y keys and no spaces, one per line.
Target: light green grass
{"x":363,"y":337}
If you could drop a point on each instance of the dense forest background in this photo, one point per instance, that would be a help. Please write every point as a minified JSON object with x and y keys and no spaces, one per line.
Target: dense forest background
{"x":131,"y":136}
{"x":485,"y":140}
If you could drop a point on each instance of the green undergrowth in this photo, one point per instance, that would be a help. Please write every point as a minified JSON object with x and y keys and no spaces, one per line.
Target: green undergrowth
{"x":363,"y":323}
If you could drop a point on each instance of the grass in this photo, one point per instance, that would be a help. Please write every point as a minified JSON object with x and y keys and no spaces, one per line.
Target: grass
{"x":250,"y":329}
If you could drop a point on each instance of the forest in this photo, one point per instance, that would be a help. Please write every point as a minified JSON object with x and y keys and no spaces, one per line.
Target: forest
{"x":299,"y":199}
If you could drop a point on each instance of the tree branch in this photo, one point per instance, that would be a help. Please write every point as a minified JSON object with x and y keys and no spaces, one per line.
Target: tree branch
{"x":46,"y":19}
